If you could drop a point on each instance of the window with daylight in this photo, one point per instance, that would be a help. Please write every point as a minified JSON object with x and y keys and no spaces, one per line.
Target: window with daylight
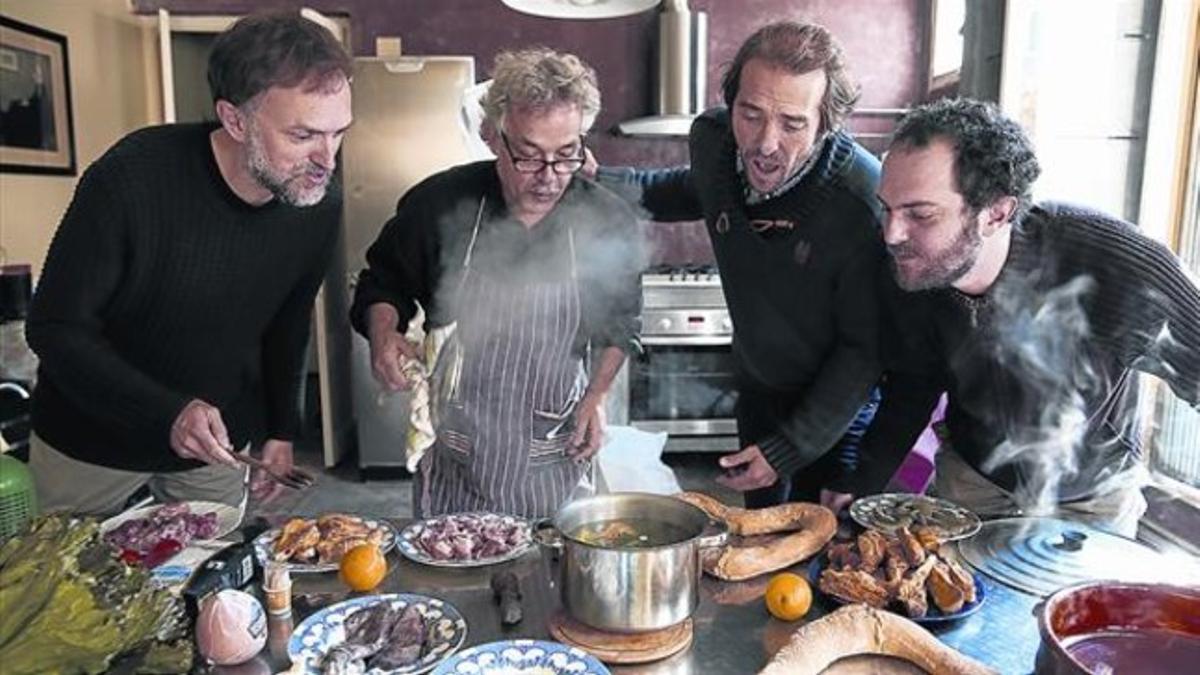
{"x":1108,"y":92}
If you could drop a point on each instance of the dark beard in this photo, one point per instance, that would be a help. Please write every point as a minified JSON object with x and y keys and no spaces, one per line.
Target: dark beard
{"x":949,"y":266}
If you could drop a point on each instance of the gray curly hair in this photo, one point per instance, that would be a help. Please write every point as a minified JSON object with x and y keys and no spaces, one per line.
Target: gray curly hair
{"x":540,"y":77}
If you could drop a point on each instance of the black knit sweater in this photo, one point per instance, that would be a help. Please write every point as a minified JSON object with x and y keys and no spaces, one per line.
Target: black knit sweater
{"x":161,"y":286}
{"x":798,"y":274}
{"x":1083,"y":304}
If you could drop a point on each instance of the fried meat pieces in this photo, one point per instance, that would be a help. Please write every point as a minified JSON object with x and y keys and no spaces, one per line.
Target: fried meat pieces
{"x":905,"y":569}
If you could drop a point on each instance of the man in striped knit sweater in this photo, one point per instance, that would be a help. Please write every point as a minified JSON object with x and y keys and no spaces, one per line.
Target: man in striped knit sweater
{"x":1035,"y":319}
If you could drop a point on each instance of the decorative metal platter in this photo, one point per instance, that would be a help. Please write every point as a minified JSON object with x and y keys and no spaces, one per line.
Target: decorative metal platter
{"x":319,"y":633}
{"x":264,"y":544}
{"x":893,"y":510}
{"x":410,"y":546}
{"x":522,"y":656}
{"x":1042,"y":555}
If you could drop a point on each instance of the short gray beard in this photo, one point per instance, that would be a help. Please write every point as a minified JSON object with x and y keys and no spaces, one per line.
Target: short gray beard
{"x":278,"y":185}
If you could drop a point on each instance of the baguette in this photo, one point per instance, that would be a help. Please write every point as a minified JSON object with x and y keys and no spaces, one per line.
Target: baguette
{"x":803,"y":530}
{"x":858,"y":629}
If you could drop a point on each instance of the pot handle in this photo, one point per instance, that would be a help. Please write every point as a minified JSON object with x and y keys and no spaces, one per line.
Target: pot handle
{"x":547,"y":535}
{"x":715,"y":534}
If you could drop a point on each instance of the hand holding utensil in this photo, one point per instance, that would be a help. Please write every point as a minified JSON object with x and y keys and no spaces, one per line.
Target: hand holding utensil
{"x":296,"y":478}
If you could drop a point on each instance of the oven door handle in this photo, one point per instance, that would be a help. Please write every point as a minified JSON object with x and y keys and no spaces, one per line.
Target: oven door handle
{"x":687,"y":340}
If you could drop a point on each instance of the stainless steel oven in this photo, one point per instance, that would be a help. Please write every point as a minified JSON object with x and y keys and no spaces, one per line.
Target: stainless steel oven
{"x":684,"y":382}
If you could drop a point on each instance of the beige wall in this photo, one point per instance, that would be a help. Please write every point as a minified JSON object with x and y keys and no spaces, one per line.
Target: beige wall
{"x":114,"y":90}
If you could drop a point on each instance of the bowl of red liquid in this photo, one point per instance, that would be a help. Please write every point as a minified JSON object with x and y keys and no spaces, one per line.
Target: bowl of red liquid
{"x":1108,"y":627}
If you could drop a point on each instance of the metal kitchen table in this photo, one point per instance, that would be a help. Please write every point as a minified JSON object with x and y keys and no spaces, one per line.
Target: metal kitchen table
{"x":733,"y":632}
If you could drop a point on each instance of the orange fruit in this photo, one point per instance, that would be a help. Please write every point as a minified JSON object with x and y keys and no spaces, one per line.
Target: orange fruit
{"x":788,"y":596}
{"x":362,"y":567}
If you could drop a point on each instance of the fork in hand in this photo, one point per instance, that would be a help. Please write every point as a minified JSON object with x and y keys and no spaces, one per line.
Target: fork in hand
{"x":297,"y":478}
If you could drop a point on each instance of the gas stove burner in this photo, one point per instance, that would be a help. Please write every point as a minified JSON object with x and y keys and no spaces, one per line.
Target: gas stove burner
{"x":684,"y":272}
{"x":703,"y":269}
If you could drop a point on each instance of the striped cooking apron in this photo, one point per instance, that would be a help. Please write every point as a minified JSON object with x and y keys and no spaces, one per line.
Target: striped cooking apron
{"x":504,"y":428}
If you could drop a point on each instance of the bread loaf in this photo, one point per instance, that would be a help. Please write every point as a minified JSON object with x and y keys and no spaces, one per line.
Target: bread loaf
{"x":803,"y":530}
{"x":858,"y":629}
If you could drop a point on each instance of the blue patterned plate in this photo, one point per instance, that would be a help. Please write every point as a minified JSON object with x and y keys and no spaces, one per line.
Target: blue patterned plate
{"x":934,"y":616}
{"x":317,"y":634}
{"x":521,"y":657}
{"x":410,"y":547}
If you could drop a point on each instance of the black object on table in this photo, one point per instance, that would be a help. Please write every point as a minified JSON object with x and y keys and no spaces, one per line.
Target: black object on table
{"x":507,"y":590}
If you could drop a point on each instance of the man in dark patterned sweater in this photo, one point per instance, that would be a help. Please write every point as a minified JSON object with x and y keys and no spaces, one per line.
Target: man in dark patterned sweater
{"x":788,"y":199}
{"x":1036,"y":319}
{"x":173,"y":311}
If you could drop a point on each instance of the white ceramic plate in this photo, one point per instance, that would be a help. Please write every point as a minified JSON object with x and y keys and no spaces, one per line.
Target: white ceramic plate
{"x":229,"y":518}
{"x":320,"y":632}
{"x":410,"y":549}
{"x":264,"y":544}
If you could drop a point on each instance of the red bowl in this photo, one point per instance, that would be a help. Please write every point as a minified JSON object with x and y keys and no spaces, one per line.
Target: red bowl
{"x":1115,"y":627}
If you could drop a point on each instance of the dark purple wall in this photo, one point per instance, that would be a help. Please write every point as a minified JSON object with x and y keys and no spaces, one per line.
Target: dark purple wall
{"x":885,"y":42}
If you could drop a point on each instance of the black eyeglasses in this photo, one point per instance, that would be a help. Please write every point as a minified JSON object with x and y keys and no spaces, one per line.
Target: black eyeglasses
{"x":562,"y":167}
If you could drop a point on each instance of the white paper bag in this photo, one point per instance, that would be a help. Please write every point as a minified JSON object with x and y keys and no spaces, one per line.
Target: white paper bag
{"x":631,"y":461}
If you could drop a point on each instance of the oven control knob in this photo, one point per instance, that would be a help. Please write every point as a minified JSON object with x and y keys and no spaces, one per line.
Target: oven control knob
{"x":664,"y":324}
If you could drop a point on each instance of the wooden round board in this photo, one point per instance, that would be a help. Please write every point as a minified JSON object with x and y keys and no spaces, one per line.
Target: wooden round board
{"x":622,"y":648}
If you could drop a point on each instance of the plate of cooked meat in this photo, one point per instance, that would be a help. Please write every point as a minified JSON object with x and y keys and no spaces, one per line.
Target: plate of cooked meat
{"x":465,"y":539}
{"x":395,"y":633}
{"x":903,"y":572}
{"x":318,"y":544}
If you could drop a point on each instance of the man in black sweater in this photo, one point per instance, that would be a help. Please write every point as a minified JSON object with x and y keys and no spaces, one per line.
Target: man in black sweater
{"x":1036,"y":319}
{"x":172,"y":314}
{"x":789,"y":201}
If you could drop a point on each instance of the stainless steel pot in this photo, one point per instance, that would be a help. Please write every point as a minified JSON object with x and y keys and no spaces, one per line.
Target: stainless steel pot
{"x":630,"y":590}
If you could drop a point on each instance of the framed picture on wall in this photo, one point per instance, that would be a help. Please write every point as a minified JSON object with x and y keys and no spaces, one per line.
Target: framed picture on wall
{"x":36,"y":132}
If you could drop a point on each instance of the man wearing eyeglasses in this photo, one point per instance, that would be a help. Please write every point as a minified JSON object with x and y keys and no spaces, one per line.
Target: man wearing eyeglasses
{"x":532,"y":273}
